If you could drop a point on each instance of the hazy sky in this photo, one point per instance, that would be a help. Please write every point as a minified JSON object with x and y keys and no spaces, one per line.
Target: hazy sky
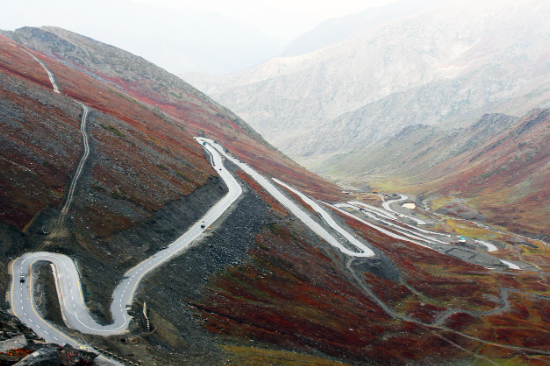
{"x":214,"y":36}
{"x":284,"y":19}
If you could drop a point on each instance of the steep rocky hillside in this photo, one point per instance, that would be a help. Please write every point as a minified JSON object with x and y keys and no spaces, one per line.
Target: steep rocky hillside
{"x":175,"y":98}
{"x":445,"y":66}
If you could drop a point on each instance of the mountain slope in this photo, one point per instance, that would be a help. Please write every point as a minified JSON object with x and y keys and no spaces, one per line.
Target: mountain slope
{"x":498,"y":165}
{"x":444,"y":66}
{"x":505,"y":178}
{"x":258,"y":286}
{"x":153,"y":85}
{"x":418,"y":148}
{"x":145,"y":182}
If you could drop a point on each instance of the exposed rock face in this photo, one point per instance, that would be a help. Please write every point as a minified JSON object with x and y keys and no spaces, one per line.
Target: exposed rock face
{"x":444,"y":66}
{"x":20,"y":346}
{"x":46,"y":356}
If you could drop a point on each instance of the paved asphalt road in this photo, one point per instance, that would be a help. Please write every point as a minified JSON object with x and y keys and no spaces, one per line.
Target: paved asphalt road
{"x":386,"y":205}
{"x":362,"y":250}
{"x":74,"y":310}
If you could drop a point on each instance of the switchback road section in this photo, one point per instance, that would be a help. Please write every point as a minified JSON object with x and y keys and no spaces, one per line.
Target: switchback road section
{"x":362,"y":250}
{"x":74,"y":311}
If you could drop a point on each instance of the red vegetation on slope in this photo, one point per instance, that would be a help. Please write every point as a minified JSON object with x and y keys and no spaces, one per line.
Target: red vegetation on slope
{"x":447,"y":282}
{"x":208,"y":121}
{"x":36,"y":156}
{"x":525,"y":324}
{"x":445,"y":279}
{"x":507,"y":177}
{"x":170,"y":95}
{"x":144,"y":159}
{"x":292,"y":295}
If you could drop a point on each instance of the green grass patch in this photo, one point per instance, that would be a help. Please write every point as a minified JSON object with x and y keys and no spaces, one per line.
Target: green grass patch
{"x":181,"y":175}
{"x":248,"y":356}
{"x":113,"y":130}
{"x":99,"y":188}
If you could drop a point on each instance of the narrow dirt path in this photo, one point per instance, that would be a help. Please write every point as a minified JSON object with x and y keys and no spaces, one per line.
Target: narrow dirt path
{"x":50,"y":74}
{"x":68,"y":199}
{"x":76,"y":175}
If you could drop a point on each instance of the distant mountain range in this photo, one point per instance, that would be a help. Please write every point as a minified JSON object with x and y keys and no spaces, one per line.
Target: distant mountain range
{"x":335,"y":30}
{"x":444,"y":66}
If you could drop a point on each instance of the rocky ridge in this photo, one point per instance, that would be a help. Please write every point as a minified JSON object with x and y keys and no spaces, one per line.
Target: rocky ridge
{"x":20,"y":346}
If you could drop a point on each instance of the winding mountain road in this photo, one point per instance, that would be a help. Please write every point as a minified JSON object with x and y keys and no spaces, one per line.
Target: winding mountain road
{"x":74,"y":310}
{"x":387,"y":207}
{"x":361,"y":249}
{"x":414,"y":234}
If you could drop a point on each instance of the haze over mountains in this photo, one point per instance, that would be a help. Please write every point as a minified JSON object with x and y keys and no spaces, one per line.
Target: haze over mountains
{"x":444,"y":66}
{"x":335,"y":30}
{"x":177,"y":39}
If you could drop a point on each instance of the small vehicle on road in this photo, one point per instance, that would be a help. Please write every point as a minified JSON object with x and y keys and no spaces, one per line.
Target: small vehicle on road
{"x":202,"y":225}
{"x":22,"y":278}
